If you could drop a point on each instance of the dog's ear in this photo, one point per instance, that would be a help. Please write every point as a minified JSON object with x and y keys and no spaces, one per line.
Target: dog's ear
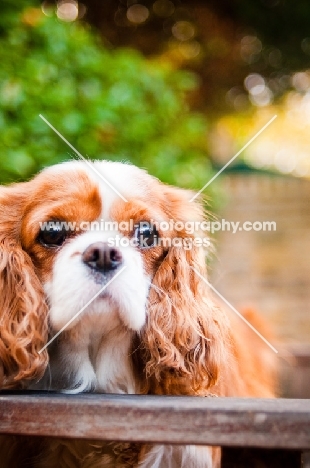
{"x":183,"y":341}
{"x":23,"y":312}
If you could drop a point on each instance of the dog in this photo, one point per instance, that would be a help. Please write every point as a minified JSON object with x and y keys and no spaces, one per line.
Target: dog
{"x":123,"y":309}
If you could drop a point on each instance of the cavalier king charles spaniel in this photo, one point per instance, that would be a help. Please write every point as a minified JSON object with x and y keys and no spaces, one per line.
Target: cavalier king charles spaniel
{"x":129,"y":303}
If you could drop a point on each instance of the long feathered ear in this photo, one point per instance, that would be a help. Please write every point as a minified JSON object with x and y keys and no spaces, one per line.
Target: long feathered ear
{"x":183,"y":342}
{"x":23,"y":312}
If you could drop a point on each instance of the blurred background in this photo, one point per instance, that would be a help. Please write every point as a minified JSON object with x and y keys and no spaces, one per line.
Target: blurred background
{"x":179,"y":87}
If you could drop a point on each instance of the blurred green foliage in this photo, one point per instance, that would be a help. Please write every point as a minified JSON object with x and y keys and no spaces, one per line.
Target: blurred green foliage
{"x":111,"y":104}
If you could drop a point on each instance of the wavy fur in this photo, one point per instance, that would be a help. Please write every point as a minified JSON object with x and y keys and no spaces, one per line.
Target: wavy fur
{"x":23,"y":312}
{"x":187,"y":346}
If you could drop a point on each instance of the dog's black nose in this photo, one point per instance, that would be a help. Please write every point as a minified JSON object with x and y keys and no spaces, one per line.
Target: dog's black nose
{"x":101,"y":257}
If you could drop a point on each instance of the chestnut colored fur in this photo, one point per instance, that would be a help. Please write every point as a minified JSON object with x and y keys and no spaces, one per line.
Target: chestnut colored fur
{"x":23,"y":312}
{"x":188,"y":346}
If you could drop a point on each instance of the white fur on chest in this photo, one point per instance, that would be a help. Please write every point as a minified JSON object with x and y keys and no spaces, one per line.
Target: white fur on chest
{"x":174,"y":456}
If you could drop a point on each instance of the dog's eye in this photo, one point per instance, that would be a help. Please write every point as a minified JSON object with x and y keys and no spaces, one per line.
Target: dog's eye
{"x":53,"y":235}
{"x":146,"y":235}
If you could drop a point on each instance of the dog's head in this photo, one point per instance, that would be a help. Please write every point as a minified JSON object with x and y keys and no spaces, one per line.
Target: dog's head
{"x":107,"y":241}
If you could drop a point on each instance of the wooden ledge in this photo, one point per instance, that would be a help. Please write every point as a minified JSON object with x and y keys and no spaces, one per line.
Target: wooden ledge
{"x":234,"y":422}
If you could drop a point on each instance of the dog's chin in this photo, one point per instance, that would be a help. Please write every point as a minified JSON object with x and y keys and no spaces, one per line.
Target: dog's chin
{"x":104,"y":312}
{"x":129,"y":316}
{"x":98,"y":314}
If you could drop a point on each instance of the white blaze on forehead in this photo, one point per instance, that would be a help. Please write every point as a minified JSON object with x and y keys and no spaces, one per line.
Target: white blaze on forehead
{"x":128,"y":180}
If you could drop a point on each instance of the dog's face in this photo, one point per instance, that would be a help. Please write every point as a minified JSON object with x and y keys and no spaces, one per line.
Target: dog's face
{"x":83,"y":237}
{"x":96,"y":254}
